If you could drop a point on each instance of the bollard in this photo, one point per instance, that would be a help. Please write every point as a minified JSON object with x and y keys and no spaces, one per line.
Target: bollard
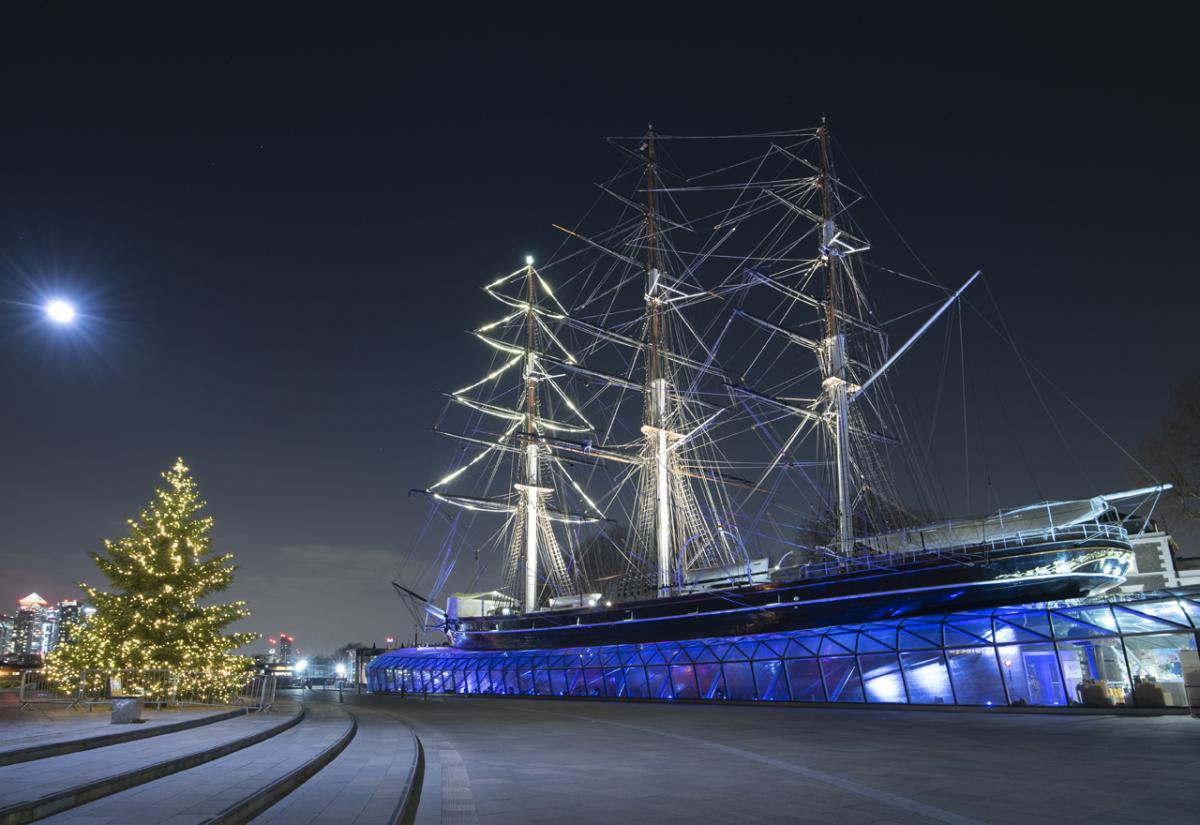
{"x":126,"y":710}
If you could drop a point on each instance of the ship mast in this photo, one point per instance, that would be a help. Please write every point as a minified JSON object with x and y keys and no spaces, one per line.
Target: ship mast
{"x":656,"y":389}
{"x":834,"y":383}
{"x":528,"y":485}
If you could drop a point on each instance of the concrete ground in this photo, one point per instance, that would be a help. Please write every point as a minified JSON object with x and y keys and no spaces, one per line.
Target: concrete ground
{"x":42,"y":724}
{"x":494,"y":761}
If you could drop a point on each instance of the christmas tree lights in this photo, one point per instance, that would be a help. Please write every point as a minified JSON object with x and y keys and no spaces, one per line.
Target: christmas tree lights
{"x":154,"y":620}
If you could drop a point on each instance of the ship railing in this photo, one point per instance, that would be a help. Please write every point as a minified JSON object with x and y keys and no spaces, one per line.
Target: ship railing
{"x":965,"y":552}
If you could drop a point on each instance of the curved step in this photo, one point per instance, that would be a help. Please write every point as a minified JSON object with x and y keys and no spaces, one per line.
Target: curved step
{"x":251,"y":806}
{"x":377,"y":779}
{"x":232,"y":789}
{"x":61,"y":747}
{"x":36,"y":781}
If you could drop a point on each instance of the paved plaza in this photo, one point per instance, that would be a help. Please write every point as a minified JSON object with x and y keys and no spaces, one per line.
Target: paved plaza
{"x":495,"y":761}
{"x":498,"y":761}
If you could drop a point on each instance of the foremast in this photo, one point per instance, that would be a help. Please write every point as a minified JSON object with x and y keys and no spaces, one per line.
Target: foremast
{"x":533,"y":434}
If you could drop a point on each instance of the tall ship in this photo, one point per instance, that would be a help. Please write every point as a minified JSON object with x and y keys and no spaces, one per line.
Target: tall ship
{"x":689,"y":428}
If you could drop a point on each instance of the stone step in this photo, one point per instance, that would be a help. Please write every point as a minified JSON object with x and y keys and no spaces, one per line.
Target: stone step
{"x":232,"y":789}
{"x":31,"y":790}
{"x":376,"y":780}
{"x":88,"y":732}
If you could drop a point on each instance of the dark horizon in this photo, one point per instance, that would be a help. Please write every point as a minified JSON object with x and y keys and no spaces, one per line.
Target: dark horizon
{"x":269,"y":225}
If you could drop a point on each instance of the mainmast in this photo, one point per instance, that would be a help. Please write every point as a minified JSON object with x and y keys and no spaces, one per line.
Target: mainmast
{"x":528,"y":487}
{"x":835,"y":383}
{"x":656,"y":389}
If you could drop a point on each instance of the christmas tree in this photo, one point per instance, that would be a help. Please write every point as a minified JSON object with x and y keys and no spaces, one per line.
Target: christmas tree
{"x":154,"y":620}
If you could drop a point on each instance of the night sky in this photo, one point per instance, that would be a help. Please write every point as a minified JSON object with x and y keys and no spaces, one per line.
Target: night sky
{"x":276,"y":228}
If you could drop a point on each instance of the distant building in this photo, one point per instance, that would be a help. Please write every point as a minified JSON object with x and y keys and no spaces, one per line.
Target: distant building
{"x":1157,"y":564}
{"x":29,"y":625}
{"x":70,"y":618}
{"x":49,"y":635}
{"x":283,"y":650}
{"x":6,"y":634}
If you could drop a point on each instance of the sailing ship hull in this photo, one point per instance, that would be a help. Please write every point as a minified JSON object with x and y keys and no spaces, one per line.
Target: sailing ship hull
{"x":963,"y":581}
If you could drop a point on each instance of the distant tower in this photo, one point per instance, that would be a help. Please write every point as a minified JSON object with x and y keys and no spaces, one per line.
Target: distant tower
{"x":284,"y":656}
{"x":6,"y":634}
{"x":28,"y":626}
{"x":50,"y":627}
{"x":70,"y":616}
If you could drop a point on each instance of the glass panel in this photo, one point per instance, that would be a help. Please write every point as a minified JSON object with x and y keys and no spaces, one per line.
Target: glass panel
{"x":635,"y":683}
{"x":739,"y":684}
{"x":1007,"y":634}
{"x":711,"y":682}
{"x":659,"y":680}
{"x":1095,"y":672}
{"x":867,"y":643}
{"x":831,"y":647}
{"x":699,"y":653}
{"x":976,"y":676}
{"x":881,"y":677}
{"x":1157,"y":672}
{"x":558,"y":682}
{"x":683,"y":681}
{"x":910,"y":641}
{"x":614,"y":682}
{"x":930,"y":633}
{"x":796,"y":649}
{"x":593,"y":679}
{"x":719,"y":650}
{"x":1131,"y":621}
{"x":575,"y":685}
{"x":846,"y":640}
{"x":1078,"y":622}
{"x":927,"y":678}
{"x":471,"y":684}
{"x":804,"y":676}
{"x":1168,"y":610}
{"x":842,"y":683}
{"x":672,"y":652}
{"x":652,"y":656}
{"x":1032,"y":621}
{"x":541,"y":682}
{"x":512,"y":680}
{"x":770,"y":681}
{"x":978,"y":630}
{"x":1032,"y":674}
{"x":1192,"y":608}
{"x":773,"y":648}
{"x":745,"y":650}
{"x":884,"y":634}
{"x":630,"y":656}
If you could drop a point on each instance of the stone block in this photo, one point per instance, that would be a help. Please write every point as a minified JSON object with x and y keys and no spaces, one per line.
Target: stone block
{"x":126,"y":710}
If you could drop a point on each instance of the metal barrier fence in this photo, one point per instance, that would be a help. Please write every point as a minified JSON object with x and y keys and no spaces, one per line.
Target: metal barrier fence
{"x":161,"y":688}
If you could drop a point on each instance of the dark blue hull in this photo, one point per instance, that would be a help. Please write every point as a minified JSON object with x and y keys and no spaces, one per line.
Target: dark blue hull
{"x":969,"y":580}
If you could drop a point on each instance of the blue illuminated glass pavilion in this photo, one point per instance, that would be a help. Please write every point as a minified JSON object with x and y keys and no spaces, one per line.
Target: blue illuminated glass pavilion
{"x":1127,"y":651}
